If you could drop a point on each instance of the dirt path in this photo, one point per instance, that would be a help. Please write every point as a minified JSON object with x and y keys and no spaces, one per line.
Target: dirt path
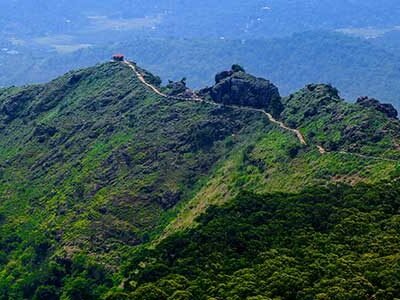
{"x":368,"y":156}
{"x":198,"y":99}
{"x":296,"y":132}
{"x":141,"y":78}
{"x":282,"y":125}
{"x":321,"y":149}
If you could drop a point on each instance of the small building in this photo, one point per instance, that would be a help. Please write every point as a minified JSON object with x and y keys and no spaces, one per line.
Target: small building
{"x":118,"y":57}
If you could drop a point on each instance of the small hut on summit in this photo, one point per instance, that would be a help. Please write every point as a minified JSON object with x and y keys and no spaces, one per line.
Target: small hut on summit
{"x":118,"y":57}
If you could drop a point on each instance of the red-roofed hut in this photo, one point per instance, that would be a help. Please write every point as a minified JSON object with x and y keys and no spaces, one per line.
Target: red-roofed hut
{"x":118,"y":57}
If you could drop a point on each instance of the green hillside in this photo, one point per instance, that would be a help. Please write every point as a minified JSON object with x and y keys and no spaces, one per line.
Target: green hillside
{"x":95,"y":168}
{"x":323,"y":243}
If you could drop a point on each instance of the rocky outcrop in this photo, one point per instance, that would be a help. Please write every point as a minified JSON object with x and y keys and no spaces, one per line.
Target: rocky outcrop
{"x":43,"y":132}
{"x":387,"y":109}
{"x":178,"y":89}
{"x":236,"y":87}
{"x":16,"y":104}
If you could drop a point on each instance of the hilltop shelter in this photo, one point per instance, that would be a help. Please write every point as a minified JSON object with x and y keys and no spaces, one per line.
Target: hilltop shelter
{"x":118,"y":57}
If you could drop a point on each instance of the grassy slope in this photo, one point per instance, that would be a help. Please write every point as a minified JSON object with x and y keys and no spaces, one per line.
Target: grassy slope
{"x":94,"y":163}
{"x":338,"y":126}
{"x":90,"y":162}
{"x":362,"y":145}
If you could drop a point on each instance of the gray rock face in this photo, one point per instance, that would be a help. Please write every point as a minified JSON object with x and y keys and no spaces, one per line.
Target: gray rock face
{"x":223,"y":75}
{"x":239,"y":88}
{"x":176,"y":88}
{"x":387,"y":109}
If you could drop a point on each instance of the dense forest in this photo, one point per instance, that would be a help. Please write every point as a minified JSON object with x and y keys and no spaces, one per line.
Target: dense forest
{"x":207,"y":18}
{"x":336,"y":242}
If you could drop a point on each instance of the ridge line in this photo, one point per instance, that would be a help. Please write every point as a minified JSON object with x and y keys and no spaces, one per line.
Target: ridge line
{"x":298,"y":134}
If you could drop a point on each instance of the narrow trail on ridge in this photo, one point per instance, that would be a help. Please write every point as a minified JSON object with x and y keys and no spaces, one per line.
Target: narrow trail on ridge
{"x":369,"y":156}
{"x":198,"y":99}
{"x":296,"y":132}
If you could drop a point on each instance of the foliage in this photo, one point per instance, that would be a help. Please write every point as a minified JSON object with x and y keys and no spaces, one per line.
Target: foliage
{"x":327,"y":120}
{"x":94,"y":167}
{"x":338,"y":242}
{"x":90,"y":164}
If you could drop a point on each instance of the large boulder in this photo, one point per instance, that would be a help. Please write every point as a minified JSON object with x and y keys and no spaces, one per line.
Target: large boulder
{"x":387,"y":109}
{"x":236,"y":87}
{"x":175,"y":88}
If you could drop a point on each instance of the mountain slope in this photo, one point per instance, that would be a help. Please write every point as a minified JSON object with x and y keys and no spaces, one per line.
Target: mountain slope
{"x":95,"y":164}
{"x":323,"y":243}
{"x":91,"y":161}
